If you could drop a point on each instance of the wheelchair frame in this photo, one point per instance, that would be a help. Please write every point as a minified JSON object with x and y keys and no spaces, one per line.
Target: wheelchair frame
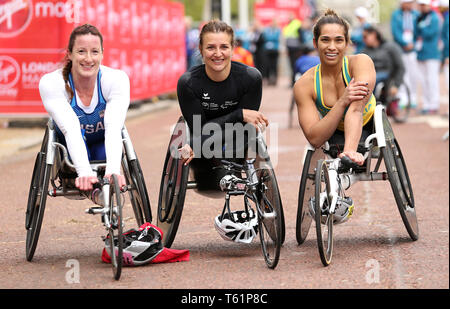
{"x":175,"y":181}
{"x":327,"y":179}
{"x":49,"y":163}
{"x":400,"y":114}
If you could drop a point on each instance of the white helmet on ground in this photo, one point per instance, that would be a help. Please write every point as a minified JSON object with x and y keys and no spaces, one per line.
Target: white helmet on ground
{"x":237,"y":226}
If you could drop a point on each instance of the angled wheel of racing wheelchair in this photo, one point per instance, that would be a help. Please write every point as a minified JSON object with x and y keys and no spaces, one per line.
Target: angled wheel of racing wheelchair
{"x":398,"y":177}
{"x":174,"y":181}
{"x":137,"y":188}
{"x":306,"y":193}
{"x":37,"y":197}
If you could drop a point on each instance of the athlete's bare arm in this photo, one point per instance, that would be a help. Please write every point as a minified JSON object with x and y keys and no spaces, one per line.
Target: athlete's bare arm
{"x":363,"y":71}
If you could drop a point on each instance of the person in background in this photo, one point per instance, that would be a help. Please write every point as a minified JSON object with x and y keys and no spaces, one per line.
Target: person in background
{"x":387,"y":58}
{"x":308,"y":59}
{"x":443,"y":6}
{"x":271,"y":49}
{"x":192,"y":52}
{"x":240,"y":54}
{"x":403,"y":20}
{"x":256,"y":40}
{"x":428,"y":54}
{"x":361,"y":14}
{"x":291,"y":34}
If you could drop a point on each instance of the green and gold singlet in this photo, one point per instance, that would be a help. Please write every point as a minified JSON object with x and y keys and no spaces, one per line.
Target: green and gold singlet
{"x":369,"y":108}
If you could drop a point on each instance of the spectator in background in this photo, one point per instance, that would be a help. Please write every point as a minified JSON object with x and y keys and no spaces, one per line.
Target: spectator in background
{"x":403,"y":20}
{"x":271,"y":36}
{"x":192,"y":53}
{"x":256,"y":40}
{"x":240,"y":54}
{"x":361,"y":14}
{"x":306,"y":34}
{"x":308,"y":59}
{"x":291,"y":34}
{"x":387,"y":58}
{"x":443,"y":6}
{"x":427,"y":41}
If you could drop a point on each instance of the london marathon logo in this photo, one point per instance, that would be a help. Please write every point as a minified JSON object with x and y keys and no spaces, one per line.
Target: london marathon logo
{"x":15,"y":15}
{"x":9,"y":72}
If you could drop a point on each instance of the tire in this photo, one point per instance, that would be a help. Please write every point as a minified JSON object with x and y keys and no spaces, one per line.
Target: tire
{"x":400,"y":181}
{"x":324,"y":220}
{"x":137,"y":191}
{"x":37,"y":198}
{"x":172,"y":190}
{"x":305,"y":194}
{"x":270,"y":219}
{"x":115,"y":231}
{"x":263,"y":161}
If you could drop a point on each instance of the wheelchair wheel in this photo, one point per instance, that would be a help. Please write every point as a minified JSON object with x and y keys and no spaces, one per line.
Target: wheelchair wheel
{"x":400,"y":107}
{"x":305,"y":195}
{"x":37,"y":197}
{"x":115,"y":230}
{"x":324,"y":219}
{"x":137,"y":190}
{"x":173,"y":186}
{"x":263,"y":161}
{"x":399,"y":180}
{"x":270,"y":219}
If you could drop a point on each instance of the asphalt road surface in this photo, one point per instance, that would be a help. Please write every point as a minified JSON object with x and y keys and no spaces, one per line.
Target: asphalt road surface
{"x":372,"y":250}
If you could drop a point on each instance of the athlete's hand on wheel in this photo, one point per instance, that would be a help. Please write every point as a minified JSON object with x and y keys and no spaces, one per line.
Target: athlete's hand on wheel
{"x":120,"y":179}
{"x":255,"y":118}
{"x":356,"y":157}
{"x":84,"y":183}
{"x":186,"y":153}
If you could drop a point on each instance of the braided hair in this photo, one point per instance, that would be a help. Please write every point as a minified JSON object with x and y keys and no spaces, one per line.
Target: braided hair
{"x":80,"y":30}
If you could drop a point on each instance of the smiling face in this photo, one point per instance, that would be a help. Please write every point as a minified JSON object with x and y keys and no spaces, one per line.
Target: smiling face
{"x":216,"y":50}
{"x":331,"y":44}
{"x":86,"y":56}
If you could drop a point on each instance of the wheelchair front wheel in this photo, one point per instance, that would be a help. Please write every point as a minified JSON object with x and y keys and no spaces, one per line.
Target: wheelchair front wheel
{"x":400,"y":182}
{"x":270,"y":218}
{"x":115,"y":229}
{"x":323,"y":217}
{"x":305,"y":195}
{"x":138,"y":191}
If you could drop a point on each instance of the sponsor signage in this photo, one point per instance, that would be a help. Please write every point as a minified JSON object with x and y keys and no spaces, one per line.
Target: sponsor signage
{"x":145,"y":38}
{"x":281,"y":11}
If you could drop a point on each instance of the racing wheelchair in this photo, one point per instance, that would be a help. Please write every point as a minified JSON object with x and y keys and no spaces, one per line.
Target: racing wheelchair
{"x":252,"y":177}
{"x":398,"y":106}
{"x":53,"y":168}
{"x":325,"y":178}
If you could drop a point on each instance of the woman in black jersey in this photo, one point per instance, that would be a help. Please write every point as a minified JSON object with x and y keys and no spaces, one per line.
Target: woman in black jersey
{"x":219,"y":91}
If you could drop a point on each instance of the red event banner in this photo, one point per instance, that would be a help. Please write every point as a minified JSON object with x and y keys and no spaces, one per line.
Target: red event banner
{"x":281,"y":11}
{"x":145,"y":38}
